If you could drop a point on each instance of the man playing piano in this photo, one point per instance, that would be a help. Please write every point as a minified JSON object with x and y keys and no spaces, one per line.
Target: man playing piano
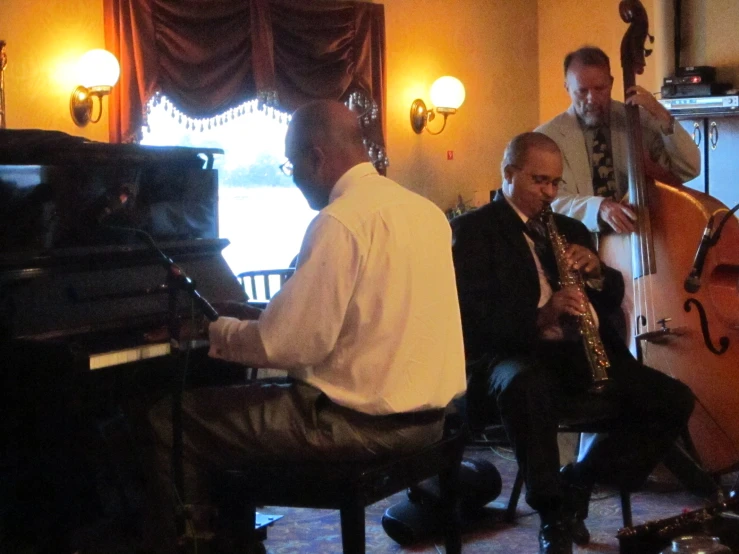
{"x":368,"y":329}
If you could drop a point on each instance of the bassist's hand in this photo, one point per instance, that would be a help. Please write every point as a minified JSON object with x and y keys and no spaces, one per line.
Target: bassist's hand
{"x":617,"y":216}
{"x":639,"y":96}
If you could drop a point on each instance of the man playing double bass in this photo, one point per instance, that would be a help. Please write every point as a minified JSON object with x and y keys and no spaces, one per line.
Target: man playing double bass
{"x":592,"y":136}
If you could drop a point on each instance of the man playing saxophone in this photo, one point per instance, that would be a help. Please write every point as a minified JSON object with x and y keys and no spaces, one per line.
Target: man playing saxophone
{"x":523,"y":323}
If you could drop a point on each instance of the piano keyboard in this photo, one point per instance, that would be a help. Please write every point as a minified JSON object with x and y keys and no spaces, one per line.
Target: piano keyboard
{"x":118,"y":357}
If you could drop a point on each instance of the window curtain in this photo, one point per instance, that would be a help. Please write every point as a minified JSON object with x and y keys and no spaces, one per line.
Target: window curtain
{"x":208,"y":56}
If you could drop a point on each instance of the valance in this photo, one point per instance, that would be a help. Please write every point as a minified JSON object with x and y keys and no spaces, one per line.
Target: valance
{"x":208,"y":56}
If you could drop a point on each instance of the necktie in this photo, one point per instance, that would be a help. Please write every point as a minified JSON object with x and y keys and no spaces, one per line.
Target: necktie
{"x":537,"y":231}
{"x":604,"y":179}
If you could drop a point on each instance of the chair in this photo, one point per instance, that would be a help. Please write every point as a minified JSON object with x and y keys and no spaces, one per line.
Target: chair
{"x":567,"y":427}
{"x":260,"y":283}
{"x":588,"y":414}
{"x":346,"y":486}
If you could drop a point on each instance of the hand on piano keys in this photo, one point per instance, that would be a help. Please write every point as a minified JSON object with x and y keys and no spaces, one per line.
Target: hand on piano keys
{"x":198,"y":329}
{"x":239,"y":310}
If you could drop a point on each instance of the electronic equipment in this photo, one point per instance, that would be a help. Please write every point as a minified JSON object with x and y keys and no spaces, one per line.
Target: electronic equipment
{"x":702,"y":104}
{"x":697,"y":89}
{"x":693,"y":81}
{"x":705,"y":73}
{"x":685,"y":80}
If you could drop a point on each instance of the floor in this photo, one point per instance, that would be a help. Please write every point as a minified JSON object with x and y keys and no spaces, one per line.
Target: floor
{"x":302,"y":530}
{"x":306,"y":531}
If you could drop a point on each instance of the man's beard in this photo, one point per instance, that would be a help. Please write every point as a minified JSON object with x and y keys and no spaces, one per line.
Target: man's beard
{"x":593,"y":118}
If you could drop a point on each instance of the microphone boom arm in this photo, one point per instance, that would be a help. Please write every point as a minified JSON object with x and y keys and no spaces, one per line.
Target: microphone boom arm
{"x":176,"y":277}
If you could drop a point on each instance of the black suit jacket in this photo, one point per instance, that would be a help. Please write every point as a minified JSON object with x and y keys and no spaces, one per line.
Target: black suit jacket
{"x":498,"y":284}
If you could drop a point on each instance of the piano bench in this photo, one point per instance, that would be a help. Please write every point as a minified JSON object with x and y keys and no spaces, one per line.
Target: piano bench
{"x":346,"y":486}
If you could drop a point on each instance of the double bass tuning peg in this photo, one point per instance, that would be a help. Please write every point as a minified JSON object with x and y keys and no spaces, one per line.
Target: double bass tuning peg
{"x":648,"y":51}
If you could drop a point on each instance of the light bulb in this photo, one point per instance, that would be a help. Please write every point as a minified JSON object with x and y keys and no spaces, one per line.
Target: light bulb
{"x":98,"y":68}
{"x":447,"y":92}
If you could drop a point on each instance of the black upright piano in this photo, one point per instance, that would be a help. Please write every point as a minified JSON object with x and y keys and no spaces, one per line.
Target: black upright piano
{"x":84,"y":295}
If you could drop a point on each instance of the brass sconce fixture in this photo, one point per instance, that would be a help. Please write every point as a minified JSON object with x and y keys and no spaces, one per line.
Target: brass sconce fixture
{"x":98,"y":71}
{"x":447,"y":94}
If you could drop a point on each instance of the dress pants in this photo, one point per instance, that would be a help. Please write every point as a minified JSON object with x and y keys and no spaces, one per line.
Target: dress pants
{"x":532,"y":391}
{"x":229,"y":427}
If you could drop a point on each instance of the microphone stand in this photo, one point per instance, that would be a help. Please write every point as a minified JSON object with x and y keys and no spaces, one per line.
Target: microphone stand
{"x":177,"y":280}
{"x":708,"y":241}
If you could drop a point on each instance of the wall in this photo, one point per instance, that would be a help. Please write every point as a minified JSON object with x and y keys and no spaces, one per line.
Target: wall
{"x":425,"y":40}
{"x":45,"y":38}
{"x":709,"y":32}
{"x":565,"y":25}
{"x":491,"y":47}
{"x":507,"y":53}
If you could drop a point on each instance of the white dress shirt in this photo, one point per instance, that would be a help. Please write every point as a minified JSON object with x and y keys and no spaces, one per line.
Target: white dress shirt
{"x":554,"y":331}
{"x":371,"y":315}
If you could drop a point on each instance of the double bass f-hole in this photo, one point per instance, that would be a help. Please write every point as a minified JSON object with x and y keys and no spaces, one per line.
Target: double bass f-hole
{"x":713,"y":135}
{"x":723,"y":341}
{"x":697,"y":135}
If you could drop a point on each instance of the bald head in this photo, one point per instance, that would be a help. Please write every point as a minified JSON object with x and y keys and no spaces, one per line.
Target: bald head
{"x":516,"y":151}
{"x":324,"y":140}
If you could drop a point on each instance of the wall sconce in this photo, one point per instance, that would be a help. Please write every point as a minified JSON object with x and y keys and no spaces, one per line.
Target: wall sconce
{"x":447,"y":94}
{"x":98,"y":71}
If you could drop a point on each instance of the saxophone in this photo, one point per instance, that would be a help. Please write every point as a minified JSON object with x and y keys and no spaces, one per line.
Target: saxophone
{"x":594,"y":349}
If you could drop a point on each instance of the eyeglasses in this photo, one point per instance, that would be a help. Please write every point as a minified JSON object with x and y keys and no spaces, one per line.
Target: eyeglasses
{"x":287,"y":168}
{"x":542,"y":179}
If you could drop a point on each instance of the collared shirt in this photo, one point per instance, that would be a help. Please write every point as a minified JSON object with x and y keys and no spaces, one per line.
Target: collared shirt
{"x":371,"y":315}
{"x":554,"y":331}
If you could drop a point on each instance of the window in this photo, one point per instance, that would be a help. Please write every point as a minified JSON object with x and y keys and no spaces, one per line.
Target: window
{"x":260,"y":210}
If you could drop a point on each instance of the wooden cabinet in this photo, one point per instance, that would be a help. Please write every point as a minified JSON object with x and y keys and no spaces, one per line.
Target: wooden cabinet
{"x":718,"y":139}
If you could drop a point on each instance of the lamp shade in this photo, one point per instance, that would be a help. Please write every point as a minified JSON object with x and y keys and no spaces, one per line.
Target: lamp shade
{"x":447,"y":92}
{"x":98,"y":68}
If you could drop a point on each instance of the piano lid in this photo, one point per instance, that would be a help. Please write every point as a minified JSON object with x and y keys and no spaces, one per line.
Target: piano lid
{"x":59,"y":191}
{"x":40,"y":147}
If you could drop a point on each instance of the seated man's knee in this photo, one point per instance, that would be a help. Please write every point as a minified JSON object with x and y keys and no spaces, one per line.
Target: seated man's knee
{"x":514,"y":379}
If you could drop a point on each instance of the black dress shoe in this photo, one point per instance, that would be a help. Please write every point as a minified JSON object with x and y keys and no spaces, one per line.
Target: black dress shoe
{"x":577,"y":498}
{"x":555,"y":538}
{"x":580,"y":533}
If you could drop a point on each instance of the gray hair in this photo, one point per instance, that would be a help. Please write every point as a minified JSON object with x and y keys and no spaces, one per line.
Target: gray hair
{"x":516,"y":151}
{"x":589,"y":56}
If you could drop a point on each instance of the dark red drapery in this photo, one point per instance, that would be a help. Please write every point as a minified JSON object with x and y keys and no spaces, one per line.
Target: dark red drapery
{"x":211,"y":55}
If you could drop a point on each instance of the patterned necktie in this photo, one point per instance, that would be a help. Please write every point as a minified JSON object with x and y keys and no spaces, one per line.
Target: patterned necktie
{"x":537,"y":231}
{"x":604,"y":179}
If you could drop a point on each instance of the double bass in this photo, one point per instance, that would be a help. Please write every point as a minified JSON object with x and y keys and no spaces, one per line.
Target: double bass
{"x":689,"y":330}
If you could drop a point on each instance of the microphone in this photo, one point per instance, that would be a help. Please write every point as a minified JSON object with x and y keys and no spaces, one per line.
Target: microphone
{"x":693,"y":280}
{"x":176,"y":276}
{"x":182,"y":281}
